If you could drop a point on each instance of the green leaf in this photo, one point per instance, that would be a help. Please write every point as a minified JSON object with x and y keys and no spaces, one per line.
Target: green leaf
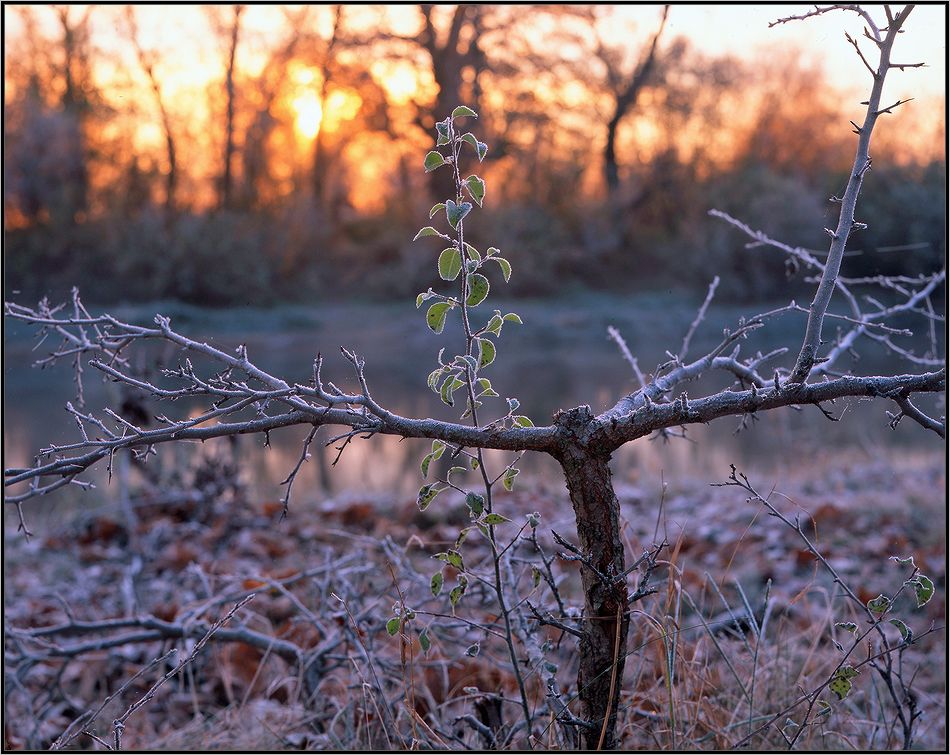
{"x":433,"y":160}
{"x":450,"y":264}
{"x":455,"y":213}
{"x":512,"y":317}
{"x":424,"y":296}
{"x":505,"y":266}
{"x":442,"y":129}
{"x":907,"y":634}
{"x":450,"y":386}
{"x":477,"y":289}
{"x":535,"y":576}
{"x":461,"y":538}
{"x":453,"y":470}
{"x":436,"y":208}
{"x":493,"y":519}
{"x":509,"y":479}
{"x":923,"y":589}
{"x":849,"y":626}
{"x":521,"y":421}
{"x":475,"y":503}
{"x":464,"y":112}
{"x":433,"y":379}
{"x":426,"y":494}
{"x":481,"y":149}
{"x":824,"y":709}
{"x":473,"y":463}
{"x":486,"y":352}
{"x":492,"y":251}
{"x":847,"y":671}
{"x":438,"y":448}
{"x":435,"y":316}
{"x":879,"y":604}
{"x":392,"y":626}
{"x":427,"y":231}
{"x":841,"y":687}
{"x":476,"y":188}
{"x":424,"y":642}
{"x":427,"y":459}
{"x":456,"y":595}
{"x":455,"y":558}
{"x":472,"y":252}
{"x":494,"y":325}
{"x":472,"y":650}
{"x":435,"y":583}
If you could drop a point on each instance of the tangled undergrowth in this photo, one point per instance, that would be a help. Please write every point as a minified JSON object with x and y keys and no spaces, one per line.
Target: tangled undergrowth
{"x":742,"y":623}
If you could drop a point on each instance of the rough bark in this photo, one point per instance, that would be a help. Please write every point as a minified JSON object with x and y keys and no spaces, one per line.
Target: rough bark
{"x":603,"y":644}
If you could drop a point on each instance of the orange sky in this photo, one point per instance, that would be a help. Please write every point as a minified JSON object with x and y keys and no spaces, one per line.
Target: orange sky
{"x":190,"y":59}
{"x":716,"y":29}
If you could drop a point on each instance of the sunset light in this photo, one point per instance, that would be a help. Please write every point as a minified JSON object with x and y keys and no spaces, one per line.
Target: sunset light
{"x":279,"y":277}
{"x":307,"y":114}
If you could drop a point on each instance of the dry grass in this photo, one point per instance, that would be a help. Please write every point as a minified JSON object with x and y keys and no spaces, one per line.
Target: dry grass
{"x":699,"y":675}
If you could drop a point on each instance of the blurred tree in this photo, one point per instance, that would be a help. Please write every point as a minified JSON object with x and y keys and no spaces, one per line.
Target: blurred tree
{"x":147,"y":60}
{"x":228,"y":32}
{"x":624,"y":90}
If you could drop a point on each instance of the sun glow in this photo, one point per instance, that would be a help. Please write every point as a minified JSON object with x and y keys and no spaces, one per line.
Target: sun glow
{"x":308,"y":114}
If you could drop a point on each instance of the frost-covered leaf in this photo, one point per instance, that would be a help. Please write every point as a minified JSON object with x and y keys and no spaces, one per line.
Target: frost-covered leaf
{"x":495,"y":519}
{"x":392,"y":626}
{"x":475,"y":503}
{"x":508,"y":481}
{"x":477,"y":289}
{"x":848,"y":626}
{"x":455,"y":213}
{"x":505,"y":266}
{"x":450,"y":264}
{"x":426,"y":494}
{"x":435,"y":584}
{"x":462,"y":111}
{"x":903,"y":561}
{"x":923,"y":589}
{"x":879,"y":604}
{"x":433,"y":160}
{"x":435,"y":316}
{"x":486,"y":352}
{"x":424,"y":296}
{"x":907,"y":635}
{"x":427,"y":231}
{"x":455,"y":559}
{"x":476,"y":188}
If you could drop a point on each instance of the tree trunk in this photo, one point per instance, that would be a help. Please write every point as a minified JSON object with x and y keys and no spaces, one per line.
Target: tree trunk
{"x":229,"y":149}
{"x":603,"y":646}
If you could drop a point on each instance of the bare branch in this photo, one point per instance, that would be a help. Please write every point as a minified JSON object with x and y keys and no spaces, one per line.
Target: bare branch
{"x":700,"y":315}
{"x":809,"y":350}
